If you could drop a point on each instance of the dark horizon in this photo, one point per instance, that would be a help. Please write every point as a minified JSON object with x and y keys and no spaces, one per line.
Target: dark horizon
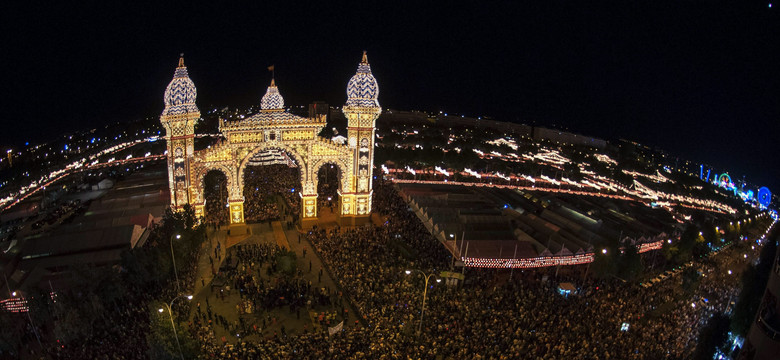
{"x":696,"y":79}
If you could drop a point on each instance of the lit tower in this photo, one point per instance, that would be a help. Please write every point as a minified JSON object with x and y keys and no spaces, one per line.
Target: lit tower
{"x":178,"y":118}
{"x":362,"y":109}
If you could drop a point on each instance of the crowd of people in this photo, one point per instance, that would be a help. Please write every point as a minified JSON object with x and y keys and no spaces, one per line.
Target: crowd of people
{"x":327,"y":187}
{"x":273,"y":291}
{"x":215,"y":212}
{"x":490,"y":315}
{"x":123,"y":322}
{"x":262,"y":187}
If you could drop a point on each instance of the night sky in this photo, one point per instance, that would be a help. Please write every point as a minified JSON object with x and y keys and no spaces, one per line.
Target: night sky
{"x":699,"y":79}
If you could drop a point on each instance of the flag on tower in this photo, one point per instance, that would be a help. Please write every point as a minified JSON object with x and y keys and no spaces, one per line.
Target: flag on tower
{"x":271,"y":68}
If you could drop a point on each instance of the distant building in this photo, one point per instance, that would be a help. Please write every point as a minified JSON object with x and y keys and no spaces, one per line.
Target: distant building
{"x":103,"y":184}
{"x":565,"y":137}
{"x":318,"y":108}
{"x":521,"y":130}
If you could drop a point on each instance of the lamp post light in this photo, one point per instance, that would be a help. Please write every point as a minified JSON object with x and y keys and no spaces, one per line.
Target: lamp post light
{"x":173,"y":258}
{"x":170,"y":312}
{"x":425,"y":294}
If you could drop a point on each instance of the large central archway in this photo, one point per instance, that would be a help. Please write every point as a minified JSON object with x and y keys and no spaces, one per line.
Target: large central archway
{"x":274,"y":129}
{"x":271,"y":186}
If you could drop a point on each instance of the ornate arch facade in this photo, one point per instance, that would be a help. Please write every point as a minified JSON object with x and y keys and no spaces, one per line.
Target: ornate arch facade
{"x":273,"y":128}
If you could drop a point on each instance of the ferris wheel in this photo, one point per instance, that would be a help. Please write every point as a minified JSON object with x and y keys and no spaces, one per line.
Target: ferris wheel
{"x":764,"y":196}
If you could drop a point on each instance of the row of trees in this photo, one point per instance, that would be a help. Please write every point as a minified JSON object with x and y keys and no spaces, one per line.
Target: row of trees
{"x":623,"y":261}
{"x":754,"y":280}
{"x":713,"y":336}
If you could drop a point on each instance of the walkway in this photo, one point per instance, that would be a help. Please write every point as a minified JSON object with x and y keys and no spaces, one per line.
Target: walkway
{"x":279,"y":236}
{"x":225,"y":303}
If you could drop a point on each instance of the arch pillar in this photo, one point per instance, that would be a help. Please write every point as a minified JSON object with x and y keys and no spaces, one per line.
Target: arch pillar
{"x":346,"y":204}
{"x":235,"y":208}
{"x":308,"y":204}
{"x":196,"y":198}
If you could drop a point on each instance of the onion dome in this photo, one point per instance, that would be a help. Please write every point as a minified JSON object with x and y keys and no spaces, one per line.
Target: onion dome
{"x":272,"y":100}
{"x":181,"y":93}
{"x":362,"y":89}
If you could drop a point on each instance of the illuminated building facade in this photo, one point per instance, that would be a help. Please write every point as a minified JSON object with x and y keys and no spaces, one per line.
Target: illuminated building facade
{"x":273,"y":128}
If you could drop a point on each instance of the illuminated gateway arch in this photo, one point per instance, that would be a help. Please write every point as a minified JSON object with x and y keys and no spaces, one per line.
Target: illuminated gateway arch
{"x":273,"y":128}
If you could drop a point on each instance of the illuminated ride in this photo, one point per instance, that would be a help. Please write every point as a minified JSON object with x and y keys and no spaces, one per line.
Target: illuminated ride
{"x":764,"y":197}
{"x":724,"y":181}
{"x":273,"y":129}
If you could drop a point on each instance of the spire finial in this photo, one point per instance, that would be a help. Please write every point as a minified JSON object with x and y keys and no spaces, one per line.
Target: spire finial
{"x":365,"y":58}
{"x":271,"y":69}
{"x":181,"y":60}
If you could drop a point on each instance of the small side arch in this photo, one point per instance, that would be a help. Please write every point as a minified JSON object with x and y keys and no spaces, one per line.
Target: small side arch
{"x":341,"y":164}
{"x":199,"y":175}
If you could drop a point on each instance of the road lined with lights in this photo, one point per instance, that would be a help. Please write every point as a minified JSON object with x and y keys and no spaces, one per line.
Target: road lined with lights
{"x":86,"y":163}
{"x":77,"y":166}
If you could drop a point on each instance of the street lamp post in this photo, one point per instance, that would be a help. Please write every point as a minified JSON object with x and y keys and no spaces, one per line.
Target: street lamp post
{"x":425,"y":294}
{"x":170,"y":312}
{"x":175,"y":272}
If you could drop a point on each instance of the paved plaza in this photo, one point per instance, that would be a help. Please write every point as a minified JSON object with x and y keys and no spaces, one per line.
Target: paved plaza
{"x":224,"y":301}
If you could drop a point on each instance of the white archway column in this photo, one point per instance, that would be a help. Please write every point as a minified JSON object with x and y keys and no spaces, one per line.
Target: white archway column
{"x":236,"y":209}
{"x":309,"y":201}
{"x":362,"y":109}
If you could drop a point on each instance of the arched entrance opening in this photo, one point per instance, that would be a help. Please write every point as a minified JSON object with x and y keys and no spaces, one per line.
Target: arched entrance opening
{"x":328,"y":185}
{"x":272,"y":185}
{"x":215,"y":194}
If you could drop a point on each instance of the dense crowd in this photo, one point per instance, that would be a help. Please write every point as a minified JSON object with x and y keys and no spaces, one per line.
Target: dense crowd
{"x":262,"y":187}
{"x":122,"y":334}
{"x":215,"y":212}
{"x":327,"y":187}
{"x":121,"y":330}
{"x":490,"y":315}
{"x":272,"y":289}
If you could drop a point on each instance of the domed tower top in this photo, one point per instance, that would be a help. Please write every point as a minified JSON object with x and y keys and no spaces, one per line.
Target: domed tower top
{"x":272,"y":100}
{"x":362,"y":90}
{"x":181,"y":93}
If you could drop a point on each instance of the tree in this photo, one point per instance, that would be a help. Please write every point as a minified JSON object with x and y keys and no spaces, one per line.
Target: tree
{"x":690,"y":279}
{"x":572,"y":171}
{"x":754,"y":280}
{"x":712,"y":337}
{"x":687,"y":242}
{"x":286,"y":263}
{"x":604,"y":265}
{"x":469,"y":158}
{"x":630,"y":263}
{"x":160,"y":338}
{"x":11,"y":333}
